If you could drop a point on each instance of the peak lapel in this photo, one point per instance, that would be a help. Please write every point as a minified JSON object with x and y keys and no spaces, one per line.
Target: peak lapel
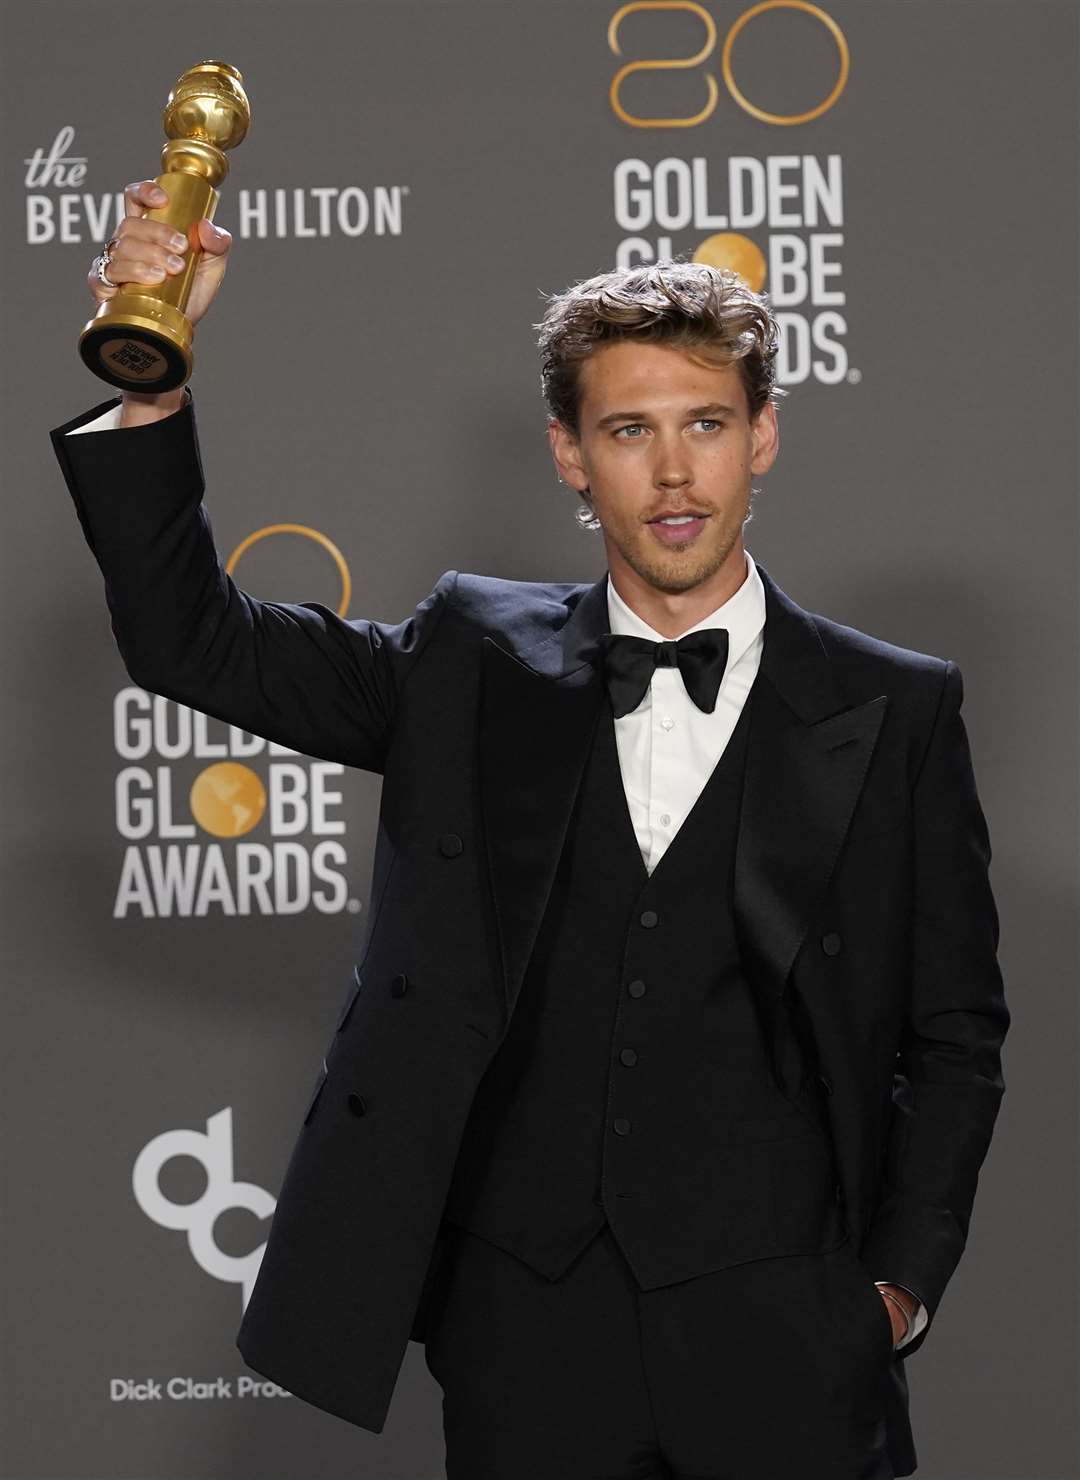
{"x":537,"y":715}
{"x":807,"y":760}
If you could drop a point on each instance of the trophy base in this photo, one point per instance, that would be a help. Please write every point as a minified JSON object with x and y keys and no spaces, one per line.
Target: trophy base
{"x":138,"y":343}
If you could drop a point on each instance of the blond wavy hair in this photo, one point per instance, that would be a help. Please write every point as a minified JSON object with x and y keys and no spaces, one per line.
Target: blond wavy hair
{"x":685,"y":305}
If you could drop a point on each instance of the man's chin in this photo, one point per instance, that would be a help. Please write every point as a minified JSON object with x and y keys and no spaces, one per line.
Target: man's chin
{"x":679,"y":571}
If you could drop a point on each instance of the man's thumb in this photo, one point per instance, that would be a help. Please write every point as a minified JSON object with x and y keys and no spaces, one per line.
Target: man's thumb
{"x":214,"y":239}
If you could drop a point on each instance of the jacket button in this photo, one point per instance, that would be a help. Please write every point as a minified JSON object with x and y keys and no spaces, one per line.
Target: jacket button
{"x":636,"y":988}
{"x":649,"y":918}
{"x":831,"y":944}
{"x":620,"y":1125}
{"x":399,"y":985}
{"x":357,"y":1104}
{"x":450,"y":845}
{"x":627,"y":1056}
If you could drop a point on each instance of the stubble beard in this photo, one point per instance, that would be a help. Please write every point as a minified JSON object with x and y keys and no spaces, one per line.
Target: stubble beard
{"x":675,"y":572}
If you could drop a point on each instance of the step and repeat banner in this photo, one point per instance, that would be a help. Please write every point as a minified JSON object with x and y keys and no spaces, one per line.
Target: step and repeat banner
{"x":184,"y":901}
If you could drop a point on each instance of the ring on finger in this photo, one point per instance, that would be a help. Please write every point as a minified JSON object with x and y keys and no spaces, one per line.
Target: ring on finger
{"x":102,"y":262}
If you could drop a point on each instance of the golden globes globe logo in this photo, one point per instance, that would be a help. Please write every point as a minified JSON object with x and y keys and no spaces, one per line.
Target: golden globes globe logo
{"x":189,"y":862}
{"x":227,"y":799}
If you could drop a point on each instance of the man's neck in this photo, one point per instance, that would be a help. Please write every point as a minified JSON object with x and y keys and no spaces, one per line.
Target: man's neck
{"x":675,"y":612}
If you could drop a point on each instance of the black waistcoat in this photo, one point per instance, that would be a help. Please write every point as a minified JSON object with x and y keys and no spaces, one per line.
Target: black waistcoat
{"x":634,"y":1085}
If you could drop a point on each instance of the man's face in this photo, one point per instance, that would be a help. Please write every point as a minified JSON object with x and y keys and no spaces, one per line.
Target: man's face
{"x":661,"y":433}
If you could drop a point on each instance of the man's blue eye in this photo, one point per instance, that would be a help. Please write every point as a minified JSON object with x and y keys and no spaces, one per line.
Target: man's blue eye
{"x":636,"y":426}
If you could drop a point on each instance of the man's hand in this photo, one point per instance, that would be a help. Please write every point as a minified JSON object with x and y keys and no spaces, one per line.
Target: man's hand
{"x":150,"y":251}
{"x":908,"y":1301}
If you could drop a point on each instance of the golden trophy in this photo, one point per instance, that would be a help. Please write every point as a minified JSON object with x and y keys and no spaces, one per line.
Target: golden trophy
{"x":141,"y":338}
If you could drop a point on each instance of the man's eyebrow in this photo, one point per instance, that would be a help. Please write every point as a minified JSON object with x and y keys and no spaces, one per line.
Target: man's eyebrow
{"x":714,"y":408}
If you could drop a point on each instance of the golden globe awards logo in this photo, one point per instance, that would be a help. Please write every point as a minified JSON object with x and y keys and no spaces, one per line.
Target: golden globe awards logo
{"x":776,"y":220}
{"x":216,"y":820}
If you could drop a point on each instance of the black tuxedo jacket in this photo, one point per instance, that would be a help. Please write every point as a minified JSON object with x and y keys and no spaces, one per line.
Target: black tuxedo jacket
{"x":863,"y":904}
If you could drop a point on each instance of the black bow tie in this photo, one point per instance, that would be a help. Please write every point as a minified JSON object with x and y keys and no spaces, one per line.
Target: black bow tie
{"x":700,"y":657}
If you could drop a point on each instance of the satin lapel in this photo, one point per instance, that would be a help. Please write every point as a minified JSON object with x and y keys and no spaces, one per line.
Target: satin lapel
{"x":806,"y":763}
{"x":537,"y":715}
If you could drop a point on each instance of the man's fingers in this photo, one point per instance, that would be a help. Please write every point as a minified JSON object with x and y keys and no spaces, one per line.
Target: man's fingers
{"x":143,"y":196}
{"x":147,"y":251}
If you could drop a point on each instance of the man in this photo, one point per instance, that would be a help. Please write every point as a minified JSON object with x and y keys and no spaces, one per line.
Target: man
{"x":657,"y":1106}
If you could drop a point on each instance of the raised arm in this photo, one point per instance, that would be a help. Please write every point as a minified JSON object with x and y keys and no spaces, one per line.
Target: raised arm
{"x":297,"y":674}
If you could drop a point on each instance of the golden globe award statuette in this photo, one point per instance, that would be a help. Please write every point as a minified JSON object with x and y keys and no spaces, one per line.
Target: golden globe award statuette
{"x":140,"y":340}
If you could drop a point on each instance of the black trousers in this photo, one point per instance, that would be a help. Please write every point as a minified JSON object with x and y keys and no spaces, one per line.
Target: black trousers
{"x":769,"y":1370}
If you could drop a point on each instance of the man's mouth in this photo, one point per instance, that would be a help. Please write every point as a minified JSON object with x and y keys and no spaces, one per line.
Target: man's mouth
{"x":677,"y":529}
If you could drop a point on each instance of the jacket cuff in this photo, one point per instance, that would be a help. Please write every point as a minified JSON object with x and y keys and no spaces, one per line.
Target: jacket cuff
{"x":135,"y":476}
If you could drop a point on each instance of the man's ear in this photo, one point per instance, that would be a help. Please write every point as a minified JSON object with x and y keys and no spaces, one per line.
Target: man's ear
{"x":566,"y":454}
{"x":765,"y":431}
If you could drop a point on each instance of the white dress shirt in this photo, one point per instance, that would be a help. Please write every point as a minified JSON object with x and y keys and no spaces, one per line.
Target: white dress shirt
{"x":108,"y":421}
{"x":668,"y":747}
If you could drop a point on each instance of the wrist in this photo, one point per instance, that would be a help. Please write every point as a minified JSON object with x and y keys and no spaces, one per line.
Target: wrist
{"x":904,"y":1301}
{"x":139,"y":409}
{"x":898,"y":1292}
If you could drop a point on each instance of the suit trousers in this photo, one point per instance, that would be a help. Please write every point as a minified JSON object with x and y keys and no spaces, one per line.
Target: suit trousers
{"x":768,"y":1370}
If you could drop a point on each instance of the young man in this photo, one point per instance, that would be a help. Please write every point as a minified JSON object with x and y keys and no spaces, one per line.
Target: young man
{"x":657,"y":1107}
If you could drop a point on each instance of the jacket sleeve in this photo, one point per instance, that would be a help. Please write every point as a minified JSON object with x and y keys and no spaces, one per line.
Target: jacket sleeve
{"x":948,"y":1084}
{"x":299,"y":675}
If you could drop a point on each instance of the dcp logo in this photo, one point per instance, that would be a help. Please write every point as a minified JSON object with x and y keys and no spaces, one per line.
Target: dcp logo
{"x":214,"y":1151}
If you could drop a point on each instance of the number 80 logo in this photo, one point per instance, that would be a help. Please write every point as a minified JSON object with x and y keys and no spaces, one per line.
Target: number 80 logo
{"x":669,"y":63}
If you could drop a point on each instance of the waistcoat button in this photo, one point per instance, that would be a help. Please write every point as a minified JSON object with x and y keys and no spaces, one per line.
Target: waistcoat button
{"x":636,"y":989}
{"x":831,"y":943}
{"x":649,"y":918}
{"x":399,"y":985}
{"x":450,"y":845}
{"x":621,"y":1125}
{"x":627,"y":1056}
{"x":357,"y":1104}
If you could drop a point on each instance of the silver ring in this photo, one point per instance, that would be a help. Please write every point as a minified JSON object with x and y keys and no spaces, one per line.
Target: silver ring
{"x":101,"y":263}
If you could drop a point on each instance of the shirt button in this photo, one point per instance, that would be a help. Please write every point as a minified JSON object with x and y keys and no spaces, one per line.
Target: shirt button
{"x":636,"y":988}
{"x":831,"y":943}
{"x":620,"y":1126}
{"x":649,"y":918}
{"x":667,"y":723}
{"x":627,"y":1056}
{"x":665,"y":818}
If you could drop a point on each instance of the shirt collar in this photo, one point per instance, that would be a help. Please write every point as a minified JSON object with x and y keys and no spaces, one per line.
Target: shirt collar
{"x":743,"y":614}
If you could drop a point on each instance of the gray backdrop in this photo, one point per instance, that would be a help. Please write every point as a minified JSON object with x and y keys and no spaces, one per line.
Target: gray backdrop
{"x":381,"y":387}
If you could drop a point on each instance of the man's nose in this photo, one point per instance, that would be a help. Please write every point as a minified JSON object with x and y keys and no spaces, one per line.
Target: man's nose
{"x":671,"y":468}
